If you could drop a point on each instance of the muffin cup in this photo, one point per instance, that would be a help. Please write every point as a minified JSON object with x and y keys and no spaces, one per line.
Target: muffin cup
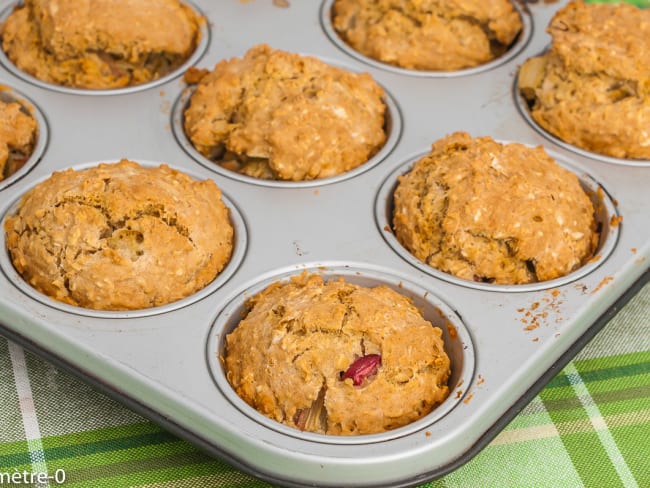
{"x":392,"y":127}
{"x":199,"y":51}
{"x":8,"y":95}
{"x":606,"y":215}
{"x":524,"y":109}
{"x":238,"y":253}
{"x":517,"y":46}
{"x":456,"y":337}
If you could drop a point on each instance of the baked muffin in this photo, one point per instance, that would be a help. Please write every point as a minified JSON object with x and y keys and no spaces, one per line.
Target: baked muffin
{"x":496,"y":213}
{"x":120,"y":236}
{"x":592,"y":88}
{"x":336,"y":358}
{"x":279,"y":115}
{"x":432,"y":35}
{"x":100,"y":44}
{"x":18,"y":135}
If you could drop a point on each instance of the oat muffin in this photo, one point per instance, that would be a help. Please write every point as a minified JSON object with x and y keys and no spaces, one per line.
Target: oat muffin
{"x":100,"y":44}
{"x":18,"y":135}
{"x":592,"y":88}
{"x":432,"y":35}
{"x":491,"y":212}
{"x":120,"y":236}
{"x":279,"y":115}
{"x":336,"y":358}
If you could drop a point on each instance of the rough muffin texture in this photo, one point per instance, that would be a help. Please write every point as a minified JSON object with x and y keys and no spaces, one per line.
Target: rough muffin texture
{"x":337,"y":358}
{"x":18,"y":135}
{"x":436,"y":35}
{"x":120,"y":236}
{"x":491,"y":212}
{"x":279,"y":115}
{"x":592,"y":88}
{"x":100,"y":44}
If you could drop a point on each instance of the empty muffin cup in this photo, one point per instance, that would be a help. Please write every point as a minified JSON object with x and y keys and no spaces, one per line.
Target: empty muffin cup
{"x":121,"y":239}
{"x":470,"y":246}
{"x":24,"y":137}
{"x":408,"y":39}
{"x":336,"y":370}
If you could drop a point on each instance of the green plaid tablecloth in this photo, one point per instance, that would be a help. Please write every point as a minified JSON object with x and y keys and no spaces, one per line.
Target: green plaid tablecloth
{"x":590,"y":426}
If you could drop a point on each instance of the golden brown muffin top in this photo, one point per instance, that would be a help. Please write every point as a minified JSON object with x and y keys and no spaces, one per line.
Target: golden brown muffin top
{"x":127,"y":28}
{"x":100,"y":44}
{"x":501,"y":213}
{"x":437,"y":35}
{"x":337,"y":358}
{"x":592,"y":88}
{"x":18,"y":133}
{"x":610,"y":38}
{"x":296,"y":116}
{"x":120,"y":236}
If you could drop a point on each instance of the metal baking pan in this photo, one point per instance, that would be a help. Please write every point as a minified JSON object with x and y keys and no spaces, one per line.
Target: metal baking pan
{"x":505,"y":342}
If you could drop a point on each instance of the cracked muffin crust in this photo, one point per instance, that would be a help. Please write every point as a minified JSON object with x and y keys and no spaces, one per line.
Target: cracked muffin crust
{"x":592,"y":88}
{"x":433,"y":35}
{"x":120,"y":236}
{"x":336,"y":358}
{"x":279,"y":115}
{"x":100,"y":44}
{"x":491,"y":212}
{"x":18,"y":135}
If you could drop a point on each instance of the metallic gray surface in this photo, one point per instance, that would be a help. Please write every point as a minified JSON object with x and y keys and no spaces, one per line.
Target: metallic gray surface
{"x":159,"y":360}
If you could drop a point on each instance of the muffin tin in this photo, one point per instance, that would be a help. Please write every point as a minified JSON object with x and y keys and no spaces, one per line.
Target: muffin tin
{"x":505,"y":342}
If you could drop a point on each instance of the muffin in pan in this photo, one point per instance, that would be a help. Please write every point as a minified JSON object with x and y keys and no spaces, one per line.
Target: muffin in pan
{"x":332,"y":357}
{"x":495,"y":213}
{"x":18,"y":135}
{"x":120,"y":236}
{"x":283,"y":116}
{"x":591,"y":89}
{"x":430,"y":35}
{"x":100,"y":44}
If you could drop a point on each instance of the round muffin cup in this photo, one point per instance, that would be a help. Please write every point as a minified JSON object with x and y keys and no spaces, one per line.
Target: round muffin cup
{"x":457,"y":340}
{"x":524,"y":110}
{"x":519,"y":44}
{"x":240,"y":239}
{"x":198,"y":53}
{"x":606,"y":215}
{"x":392,"y":124}
{"x":9,"y":95}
